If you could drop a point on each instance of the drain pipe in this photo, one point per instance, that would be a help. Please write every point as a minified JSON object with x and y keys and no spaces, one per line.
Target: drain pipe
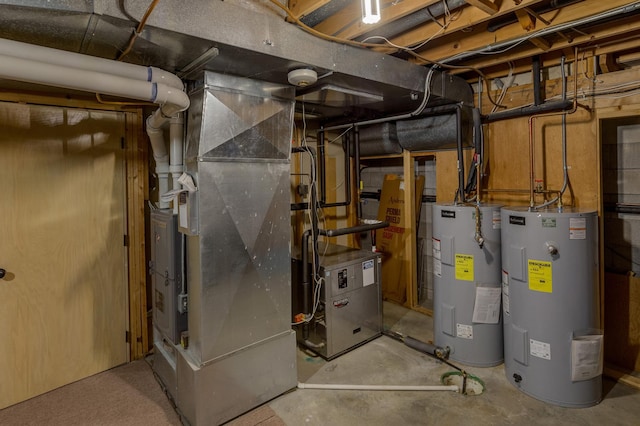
{"x":451,"y":388}
{"x":176,"y":143}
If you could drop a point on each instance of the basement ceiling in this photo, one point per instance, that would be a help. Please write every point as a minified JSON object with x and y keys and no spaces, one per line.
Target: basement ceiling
{"x":488,"y":35}
{"x":364,"y":71}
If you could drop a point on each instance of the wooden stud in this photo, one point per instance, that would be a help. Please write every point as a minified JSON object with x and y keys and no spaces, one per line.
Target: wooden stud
{"x":541,"y":43}
{"x":609,"y":63}
{"x":301,"y":8}
{"x":444,"y":47}
{"x":527,"y":21}
{"x":410,"y":257}
{"x":467,"y":17}
{"x":137,"y":193}
{"x":486,"y":6}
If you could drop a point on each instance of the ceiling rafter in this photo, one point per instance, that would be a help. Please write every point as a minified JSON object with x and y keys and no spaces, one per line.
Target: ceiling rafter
{"x":605,"y":34}
{"x":487,"y":6}
{"x":461,"y":21}
{"x":300,"y":8}
{"x":348,"y":24}
{"x":479,"y":38}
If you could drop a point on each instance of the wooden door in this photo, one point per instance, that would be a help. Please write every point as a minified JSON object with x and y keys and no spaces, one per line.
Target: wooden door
{"x":63,"y":299}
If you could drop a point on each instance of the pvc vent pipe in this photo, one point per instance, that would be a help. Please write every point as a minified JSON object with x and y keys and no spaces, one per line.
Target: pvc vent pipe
{"x":450,"y":388}
{"x":53,"y":67}
{"x":68,"y":59}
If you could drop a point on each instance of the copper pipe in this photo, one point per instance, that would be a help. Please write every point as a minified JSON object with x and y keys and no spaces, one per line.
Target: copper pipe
{"x":531,"y":133}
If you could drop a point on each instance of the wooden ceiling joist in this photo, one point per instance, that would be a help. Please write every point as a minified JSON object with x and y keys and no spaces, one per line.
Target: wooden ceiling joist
{"x":468,"y":18}
{"x":487,"y":6}
{"x":478,"y":38}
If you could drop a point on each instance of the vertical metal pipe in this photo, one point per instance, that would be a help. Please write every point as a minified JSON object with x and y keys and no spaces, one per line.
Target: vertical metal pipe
{"x":321,"y":165}
{"x":460,"y":154}
{"x":306,"y":278}
{"x":535,"y":71}
{"x":356,"y":141}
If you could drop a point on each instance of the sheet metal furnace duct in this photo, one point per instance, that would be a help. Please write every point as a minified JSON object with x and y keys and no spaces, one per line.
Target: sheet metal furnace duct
{"x":238,"y":254}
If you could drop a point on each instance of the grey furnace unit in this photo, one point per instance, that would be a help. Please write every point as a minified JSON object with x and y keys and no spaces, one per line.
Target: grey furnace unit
{"x":349,"y":312}
{"x":169,"y":314}
{"x":241,"y":349}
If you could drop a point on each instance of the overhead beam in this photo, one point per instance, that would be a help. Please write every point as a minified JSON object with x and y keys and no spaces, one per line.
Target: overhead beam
{"x":527,"y":21}
{"x":446,"y":47}
{"x":468,"y":17}
{"x":300,"y":8}
{"x":606,"y":36}
{"x":487,"y":6}
{"x":347,"y":24}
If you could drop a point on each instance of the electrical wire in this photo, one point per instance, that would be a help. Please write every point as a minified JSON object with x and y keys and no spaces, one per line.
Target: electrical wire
{"x":318,"y":281}
{"x":138,"y":30}
{"x":378,"y":46}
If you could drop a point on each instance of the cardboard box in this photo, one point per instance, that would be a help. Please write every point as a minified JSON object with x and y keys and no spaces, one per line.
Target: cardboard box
{"x":390,"y":241}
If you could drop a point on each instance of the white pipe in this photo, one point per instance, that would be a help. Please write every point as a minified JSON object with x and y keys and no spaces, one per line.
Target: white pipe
{"x":159,"y":149}
{"x":451,"y":388}
{"x":176,"y":143}
{"x":169,"y":98}
{"x":53,"y":67}
{"x":48,"y":55}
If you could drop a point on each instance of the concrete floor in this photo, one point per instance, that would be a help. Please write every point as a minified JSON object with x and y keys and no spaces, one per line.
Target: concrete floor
{"x":387,"y":361}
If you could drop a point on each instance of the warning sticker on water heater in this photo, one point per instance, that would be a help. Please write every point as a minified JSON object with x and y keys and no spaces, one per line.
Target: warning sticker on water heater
{"x":496,"y":220}
{"x":464,"y":331}
{"x":437,"y":254}
{"x":505,"y":291}
{"x":577,"y":228}
{"x":540,"y":278}
{"x":464,"y":267}
{"x":540,"y":349}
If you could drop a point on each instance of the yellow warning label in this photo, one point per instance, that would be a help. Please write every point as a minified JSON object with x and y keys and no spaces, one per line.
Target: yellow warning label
{"x":464,"y":267}
{"x":540,"y":276}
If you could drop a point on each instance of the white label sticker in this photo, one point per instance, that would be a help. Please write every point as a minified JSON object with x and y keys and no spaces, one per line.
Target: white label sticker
{"x":183,"y":220}
{"x":577,"y":228}
{"x":540,"y":349}
{"x":486,"y":309}
{"x":464,"y":331}
{"x":505,"y":292}
{"x":436,"y":249}
{"x":437,"y":268}
{"x":368,"y":273}
{"x":496,"y":220}
{"x":586,"y":357}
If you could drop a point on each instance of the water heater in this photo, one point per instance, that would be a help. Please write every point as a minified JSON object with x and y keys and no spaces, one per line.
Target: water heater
{"x":466,"y":256}
{"x":553,"y":347}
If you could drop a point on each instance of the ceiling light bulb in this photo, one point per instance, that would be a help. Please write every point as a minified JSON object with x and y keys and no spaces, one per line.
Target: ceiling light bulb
{"x":370,"y":11}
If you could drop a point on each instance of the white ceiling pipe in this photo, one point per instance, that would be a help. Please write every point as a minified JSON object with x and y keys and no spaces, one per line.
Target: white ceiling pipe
{"x":33,"y":52}
{"x":170,"y":99}
{"x":176,"y":142}
{"x":450,"y":388}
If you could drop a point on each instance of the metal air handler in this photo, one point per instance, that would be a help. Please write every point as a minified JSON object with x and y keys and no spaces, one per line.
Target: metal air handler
{"x":241,"y":350}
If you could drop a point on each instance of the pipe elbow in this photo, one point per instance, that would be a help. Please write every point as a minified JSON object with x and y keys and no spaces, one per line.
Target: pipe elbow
{"x":171,"y":100}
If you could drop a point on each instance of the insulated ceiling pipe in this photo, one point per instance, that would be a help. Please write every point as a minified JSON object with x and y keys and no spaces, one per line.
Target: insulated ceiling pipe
{"x":64,"y":58}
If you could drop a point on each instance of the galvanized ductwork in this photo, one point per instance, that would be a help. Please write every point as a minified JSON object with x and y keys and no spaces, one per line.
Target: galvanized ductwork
{"x":241,"y":347}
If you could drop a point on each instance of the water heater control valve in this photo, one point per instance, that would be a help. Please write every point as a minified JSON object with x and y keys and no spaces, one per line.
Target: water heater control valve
{"x":552,"y":248}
